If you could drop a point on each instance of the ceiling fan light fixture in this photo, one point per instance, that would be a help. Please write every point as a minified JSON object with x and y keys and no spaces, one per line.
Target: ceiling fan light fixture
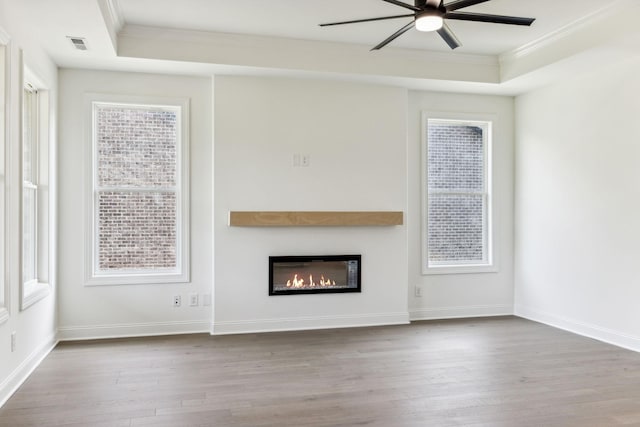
{"x":429,"y":21}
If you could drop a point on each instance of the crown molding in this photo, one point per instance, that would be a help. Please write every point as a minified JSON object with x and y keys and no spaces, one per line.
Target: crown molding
{"x":562,"y":33}
{"x":581,"y":45}
{"x":115,"y":13}
{"x":113,"y":19}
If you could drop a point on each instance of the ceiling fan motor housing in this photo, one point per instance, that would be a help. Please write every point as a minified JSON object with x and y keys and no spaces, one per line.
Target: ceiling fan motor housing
{"x":430,"y":4}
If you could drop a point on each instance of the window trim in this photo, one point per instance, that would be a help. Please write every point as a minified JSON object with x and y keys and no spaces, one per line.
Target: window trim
{"x":489,"y":233}
{"x":132,"y":277}
{"x":33,"y":184}
{"x":5,"y":63}
{"x":35,"y":290}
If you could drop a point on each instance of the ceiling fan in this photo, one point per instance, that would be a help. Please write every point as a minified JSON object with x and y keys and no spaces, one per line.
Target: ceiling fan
{"x":429,"y":15}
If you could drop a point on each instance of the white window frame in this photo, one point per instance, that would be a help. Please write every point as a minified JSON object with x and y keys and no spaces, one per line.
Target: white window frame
{"x":4,"y":138}
{"x":31,"y":184}
{"x":489,"y":264}
{"x":95,"y":277}
{"x":35,"y":290}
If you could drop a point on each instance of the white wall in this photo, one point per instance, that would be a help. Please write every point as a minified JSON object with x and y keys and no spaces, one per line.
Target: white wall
{"x":577,"y":204}
{"x":356,"y":138}
{"x":101,"y":311}
{"x":35,"y":327}
{"x":463,"y":295}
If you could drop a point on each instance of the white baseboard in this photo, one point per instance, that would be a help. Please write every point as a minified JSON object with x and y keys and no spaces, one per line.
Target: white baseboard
{"x":73,"y":333}
{"x":608,"y":336}
{"x":22,"y":372}
{"x":460,"y":312}
{"x":307,"y":323}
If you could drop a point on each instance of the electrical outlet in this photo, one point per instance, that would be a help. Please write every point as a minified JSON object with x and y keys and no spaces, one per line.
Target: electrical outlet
{"x":177,"y":301}
{"x":418,"y":290}
{"x":301,"y":160}
{"x":13,"y":341}
{"x":193,"y":300}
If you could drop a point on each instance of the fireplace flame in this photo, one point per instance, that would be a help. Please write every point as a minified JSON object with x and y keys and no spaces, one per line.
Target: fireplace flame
{"x":298,"y":283}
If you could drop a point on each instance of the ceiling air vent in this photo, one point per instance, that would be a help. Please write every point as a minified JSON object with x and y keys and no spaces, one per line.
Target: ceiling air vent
{"x":78,"y":42}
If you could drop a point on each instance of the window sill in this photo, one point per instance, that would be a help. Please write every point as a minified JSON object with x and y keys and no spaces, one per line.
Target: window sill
{"x":34,"y":292}
{"x":4,"y":315}
{"x":136,"y":279}
{"x":462,"y":269}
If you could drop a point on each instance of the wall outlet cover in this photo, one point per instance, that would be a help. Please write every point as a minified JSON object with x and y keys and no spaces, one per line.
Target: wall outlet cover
{"x":193,"y":300}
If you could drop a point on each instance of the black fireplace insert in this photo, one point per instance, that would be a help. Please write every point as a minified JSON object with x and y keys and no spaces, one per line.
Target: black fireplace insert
{"x":314,"y":274}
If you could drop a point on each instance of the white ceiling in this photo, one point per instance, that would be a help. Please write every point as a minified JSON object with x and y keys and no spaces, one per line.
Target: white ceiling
{"x":282,"y":37}
{"x":299,"y":19}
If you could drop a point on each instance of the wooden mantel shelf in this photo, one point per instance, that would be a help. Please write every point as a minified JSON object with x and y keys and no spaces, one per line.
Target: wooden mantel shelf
{"x":313,"y":219}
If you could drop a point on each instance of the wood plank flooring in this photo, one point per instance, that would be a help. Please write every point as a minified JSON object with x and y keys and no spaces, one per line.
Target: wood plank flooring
{"x":476,"y":372}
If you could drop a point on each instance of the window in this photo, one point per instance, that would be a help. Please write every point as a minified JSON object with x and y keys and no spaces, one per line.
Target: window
{"x":138,"y":201}
{"x":34,"y":173}
{"x":457,"y":197}
{"x":29,"y":185}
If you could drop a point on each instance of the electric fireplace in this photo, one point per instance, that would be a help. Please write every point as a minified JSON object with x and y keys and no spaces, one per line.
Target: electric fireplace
{"x":314,"y":274}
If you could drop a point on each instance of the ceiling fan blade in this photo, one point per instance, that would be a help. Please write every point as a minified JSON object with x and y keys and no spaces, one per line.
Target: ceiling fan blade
{"x":367,"y":20}
{"x":402,"y":4}
{"x":495,"y":19}
{"x":448,"y":36}
{"x":394,"y":36}
{"x":455,"y":5}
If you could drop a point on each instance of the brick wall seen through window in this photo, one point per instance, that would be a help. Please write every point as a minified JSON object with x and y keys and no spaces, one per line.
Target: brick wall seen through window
{"x":136,"y":192}
{"x":456,"y":193}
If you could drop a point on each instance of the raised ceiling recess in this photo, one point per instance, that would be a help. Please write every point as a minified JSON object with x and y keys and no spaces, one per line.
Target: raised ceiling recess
{"x":430,"y":15}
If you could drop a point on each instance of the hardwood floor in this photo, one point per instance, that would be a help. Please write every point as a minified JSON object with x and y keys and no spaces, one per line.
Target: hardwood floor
{"x":477,"y":372}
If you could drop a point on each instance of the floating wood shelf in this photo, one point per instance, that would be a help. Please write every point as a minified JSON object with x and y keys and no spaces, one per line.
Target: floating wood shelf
{"x":313,"y":219}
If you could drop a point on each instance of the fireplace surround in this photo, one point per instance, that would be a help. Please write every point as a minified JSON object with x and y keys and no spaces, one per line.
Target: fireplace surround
{"x":314,"y":274}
